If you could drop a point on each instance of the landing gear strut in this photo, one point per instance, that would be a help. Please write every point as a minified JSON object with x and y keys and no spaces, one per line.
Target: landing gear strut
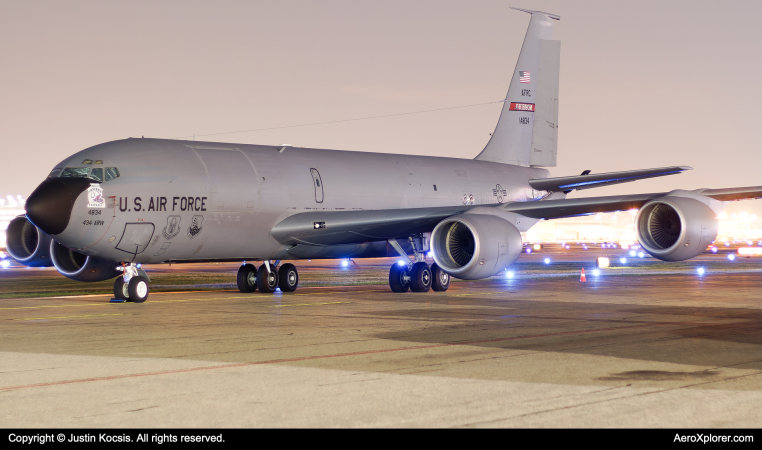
{"x":132,"y":286}
{"x":418,"y":276}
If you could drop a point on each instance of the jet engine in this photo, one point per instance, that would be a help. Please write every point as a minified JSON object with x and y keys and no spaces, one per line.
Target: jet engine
{"x":27,"y":244}
{"x":475,"y":246}
{"x":81,"y":267}
{"x":675,"y":228}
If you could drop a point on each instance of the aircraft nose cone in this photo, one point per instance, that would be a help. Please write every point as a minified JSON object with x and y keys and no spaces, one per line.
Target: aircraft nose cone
{"x":50,"y":205}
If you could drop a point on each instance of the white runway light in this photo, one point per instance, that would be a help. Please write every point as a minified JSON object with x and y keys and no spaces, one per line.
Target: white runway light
{"x":596,"y":272}
{"x":731,"y":257}
{"x":700,"y":271}
{"x":547,"y":260}
{"x":623,"y":260}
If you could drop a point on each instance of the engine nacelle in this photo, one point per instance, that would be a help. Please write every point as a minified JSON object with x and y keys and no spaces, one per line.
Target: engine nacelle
{"x":81,"y":267}
{"x":27,"y":244}
{"x":475,"y":246}
{"x":675,"y":228}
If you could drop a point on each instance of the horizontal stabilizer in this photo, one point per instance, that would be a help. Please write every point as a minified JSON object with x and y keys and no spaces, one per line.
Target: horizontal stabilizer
{"x":578,"y":182}
{"x":729,"y":194}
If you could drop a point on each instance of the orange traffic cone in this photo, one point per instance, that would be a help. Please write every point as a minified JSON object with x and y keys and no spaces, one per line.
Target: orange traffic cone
{"x":582,"y":278}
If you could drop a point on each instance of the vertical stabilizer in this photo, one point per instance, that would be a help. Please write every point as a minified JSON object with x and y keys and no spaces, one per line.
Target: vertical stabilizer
{"x":527,"y":131}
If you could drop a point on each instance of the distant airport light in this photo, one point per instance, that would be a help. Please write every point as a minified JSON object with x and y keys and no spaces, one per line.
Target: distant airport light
{"x":715,"y":249}
{"x":431,"y":254}
{"x":401,"y":262}
{"x":632,"y":253}
{"x":547,"y":260}
{"x":5,"y":263}
{"x":509,"y":274}
{"x":529,"y":250}
{"x":623,"y":260}
{"x":537,"y":247}
{"x":727,"y":244}
{"x":641,"y":255}
{"x":567,"y":247}
{"x":700,"y":271}
{"x":731,"y":257}
{"x":602,"y":262}
{"x":750,"y":251}
{"x":596,"y":272}
{"x":344,"y":263}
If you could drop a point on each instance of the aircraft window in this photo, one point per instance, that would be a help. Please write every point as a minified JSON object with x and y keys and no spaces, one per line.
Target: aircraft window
{"x":97,"y":174}
{"x":111,"y":173}
{"x":87,"y":161}
{"x":317,"y":182}
{"x":56,"y":172}
{"x":98,"y":161}
{"x":75,"y":172}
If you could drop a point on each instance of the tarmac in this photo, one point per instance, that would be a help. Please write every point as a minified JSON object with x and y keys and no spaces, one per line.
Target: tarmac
{"x":621,"y":350}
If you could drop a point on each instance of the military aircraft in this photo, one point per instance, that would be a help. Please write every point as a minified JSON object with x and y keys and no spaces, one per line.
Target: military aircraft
{"x":109,"y":209}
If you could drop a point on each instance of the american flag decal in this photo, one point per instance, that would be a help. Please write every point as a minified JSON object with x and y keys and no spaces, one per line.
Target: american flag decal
{"x":524,"y":77}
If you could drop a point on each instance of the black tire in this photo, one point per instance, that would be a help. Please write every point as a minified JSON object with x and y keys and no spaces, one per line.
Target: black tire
{"x":420,"y":277}
{"x":288,"y":278}
{"x":247,"y":278}
{"x":440,"y":280}
{"x":399,"y":278}
{"x":120,"y":289}
{"x":267,"y":280}
{"x":138,"y":289}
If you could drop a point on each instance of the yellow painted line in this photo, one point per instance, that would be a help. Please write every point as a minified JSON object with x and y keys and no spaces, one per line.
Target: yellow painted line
{"x":477,"y":293}
{"x":69,"y":317}
{"x":304,"y":304}
{"x":52,"y":306}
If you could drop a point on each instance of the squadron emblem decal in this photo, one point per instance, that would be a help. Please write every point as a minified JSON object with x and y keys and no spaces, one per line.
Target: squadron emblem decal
{"x":500,"y":193}
{"x":95,"y":196}
{"x":173,"y":227}
{"x":195,"y":228}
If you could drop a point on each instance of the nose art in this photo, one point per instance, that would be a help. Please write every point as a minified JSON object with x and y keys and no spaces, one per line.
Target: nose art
{"x":49,"y":206}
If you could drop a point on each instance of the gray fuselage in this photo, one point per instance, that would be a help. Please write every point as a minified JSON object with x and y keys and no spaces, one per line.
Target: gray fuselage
{"x":188,"y":200}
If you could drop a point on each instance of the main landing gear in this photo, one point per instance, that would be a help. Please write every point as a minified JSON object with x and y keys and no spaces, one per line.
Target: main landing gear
{"x":132,"y":286}
{"x":267,"y":278}
{"x":417,"y":276}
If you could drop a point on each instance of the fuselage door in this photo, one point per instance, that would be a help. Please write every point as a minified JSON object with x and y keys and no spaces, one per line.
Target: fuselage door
{"x":318,"y":183}
{"x":135,"y":237}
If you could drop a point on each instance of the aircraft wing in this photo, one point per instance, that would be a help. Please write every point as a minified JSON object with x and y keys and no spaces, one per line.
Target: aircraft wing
{"x":348,"y":227}
{"x":730,"y":194}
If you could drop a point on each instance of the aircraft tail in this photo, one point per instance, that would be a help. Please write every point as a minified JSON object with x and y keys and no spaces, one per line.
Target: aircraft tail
{"x":527,"y":131}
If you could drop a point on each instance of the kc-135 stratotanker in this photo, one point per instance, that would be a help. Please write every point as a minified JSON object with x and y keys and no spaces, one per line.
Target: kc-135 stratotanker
{"x":106,"y":210}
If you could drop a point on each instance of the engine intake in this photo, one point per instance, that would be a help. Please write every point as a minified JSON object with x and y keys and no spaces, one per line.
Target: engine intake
{"x":81,"y":267}
{"x":475,"y":246}
{"x":27,"y":244}
{"x":675,"y":228}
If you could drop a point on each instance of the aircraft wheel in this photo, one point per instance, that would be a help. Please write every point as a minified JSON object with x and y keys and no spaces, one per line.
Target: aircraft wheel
{"x":121,"y":289}
{"x":138,"y":289}
{"x":267,"y":280}
{"x":420,"y":277}
{"x":288,"y":278}
{"x":440,"y":280}
{"x":247,"y":278}
{"x":399,"y":278}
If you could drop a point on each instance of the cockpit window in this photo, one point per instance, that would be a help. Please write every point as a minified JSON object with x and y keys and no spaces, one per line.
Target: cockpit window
{"x":97,"y":174}
{"x":111,"y":173}
{"x":75,"y":172}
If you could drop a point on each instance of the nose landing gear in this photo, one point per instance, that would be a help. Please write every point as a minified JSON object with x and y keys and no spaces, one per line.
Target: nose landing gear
{"x":132,"y":286}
